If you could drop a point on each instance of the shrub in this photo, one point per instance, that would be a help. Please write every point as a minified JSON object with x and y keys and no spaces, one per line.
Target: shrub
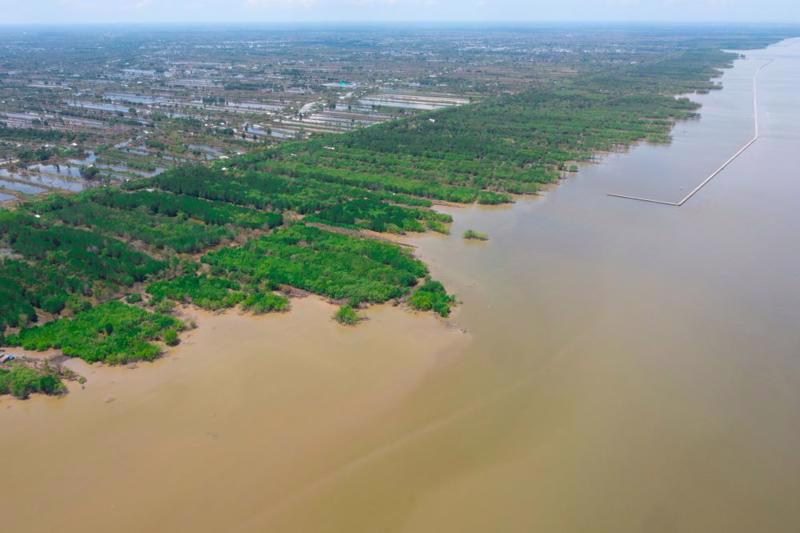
{"x":431,"y":296}
{"x":265,"y":302}
{"x":346,"y":315}
{"x":204,"y":291}
{"x":133,"y":298}
{"x":171,"y":337}
{"x":475,"y":235}
{"x":112,"y":332}
{"x":21,"y":381}
{"x":165,"y":307}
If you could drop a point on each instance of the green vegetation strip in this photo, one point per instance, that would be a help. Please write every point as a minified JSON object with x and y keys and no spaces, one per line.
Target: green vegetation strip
{"x":338,"y":266}
{"x":62,"y":256}
{"x":21,"y":381}
{"x":113,"y":332}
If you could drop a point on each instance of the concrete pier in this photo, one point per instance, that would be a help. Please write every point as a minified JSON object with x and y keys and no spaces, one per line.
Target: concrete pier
{"x":722,"y":167}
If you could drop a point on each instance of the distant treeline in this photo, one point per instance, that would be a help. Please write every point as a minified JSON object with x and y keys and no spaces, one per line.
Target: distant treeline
{"x":33,"y":134}
{"x":506,"y":145}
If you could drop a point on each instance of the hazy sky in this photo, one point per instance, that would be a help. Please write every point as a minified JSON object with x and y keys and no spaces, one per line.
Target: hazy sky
{"x":55,"y":11}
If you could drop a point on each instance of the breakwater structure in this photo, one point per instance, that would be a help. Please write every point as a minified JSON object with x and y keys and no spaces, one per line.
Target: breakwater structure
{"x":723,"y":166}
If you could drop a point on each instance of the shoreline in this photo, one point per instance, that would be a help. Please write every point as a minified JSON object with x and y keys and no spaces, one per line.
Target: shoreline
{"x":405,"y":240}
{"x":310,"y":387}
{"x":559,"y":409}
{"x":299,"y":310}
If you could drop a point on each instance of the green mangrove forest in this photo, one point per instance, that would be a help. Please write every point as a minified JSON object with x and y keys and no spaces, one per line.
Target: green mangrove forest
{"x":96,"y":275}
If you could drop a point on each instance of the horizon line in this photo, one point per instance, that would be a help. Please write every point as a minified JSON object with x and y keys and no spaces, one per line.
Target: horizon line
{"x":470,"y":22}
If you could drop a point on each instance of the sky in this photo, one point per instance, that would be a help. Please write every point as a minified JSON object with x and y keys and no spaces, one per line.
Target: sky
{"x":321,"y":11}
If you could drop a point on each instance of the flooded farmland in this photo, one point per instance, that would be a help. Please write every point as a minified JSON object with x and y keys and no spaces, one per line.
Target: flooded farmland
{"x":40,"y":178}
{"x":614,"y":367}
{"x":20,"y":187}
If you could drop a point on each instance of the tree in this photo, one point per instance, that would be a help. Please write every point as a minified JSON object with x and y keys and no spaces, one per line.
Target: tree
{"x":90,"y":173}
{"x":346,"y":315}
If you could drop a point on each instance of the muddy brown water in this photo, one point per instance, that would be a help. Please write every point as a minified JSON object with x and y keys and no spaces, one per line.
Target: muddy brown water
{"x":626,"y":367}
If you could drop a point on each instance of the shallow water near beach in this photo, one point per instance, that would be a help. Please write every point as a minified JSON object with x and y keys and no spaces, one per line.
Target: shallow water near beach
{"x":614,"y":366}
